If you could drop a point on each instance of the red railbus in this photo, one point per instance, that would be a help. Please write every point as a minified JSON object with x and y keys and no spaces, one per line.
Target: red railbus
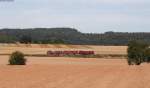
{"x":63,"y":53}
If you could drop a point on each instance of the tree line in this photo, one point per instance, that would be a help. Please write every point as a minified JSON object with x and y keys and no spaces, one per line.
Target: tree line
{"x":69,"y":36}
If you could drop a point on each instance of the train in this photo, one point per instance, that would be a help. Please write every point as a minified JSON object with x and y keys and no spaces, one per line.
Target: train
{"x":63,"y":53}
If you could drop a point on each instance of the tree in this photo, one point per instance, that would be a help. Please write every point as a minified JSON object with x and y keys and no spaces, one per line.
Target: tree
{"x":137,"y":52}
{"x":25,"y":39}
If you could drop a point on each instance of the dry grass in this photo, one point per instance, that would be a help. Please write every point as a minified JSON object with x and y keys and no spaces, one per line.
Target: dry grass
{"x":43,"y":48}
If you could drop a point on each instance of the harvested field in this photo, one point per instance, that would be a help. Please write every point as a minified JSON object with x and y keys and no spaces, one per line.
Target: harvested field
{"x":67,"y":72}
{"x":48,"y":72}
{"x":36,"y":49}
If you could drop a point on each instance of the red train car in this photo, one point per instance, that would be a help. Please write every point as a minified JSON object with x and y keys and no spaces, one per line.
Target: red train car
{"x":63,"y":53}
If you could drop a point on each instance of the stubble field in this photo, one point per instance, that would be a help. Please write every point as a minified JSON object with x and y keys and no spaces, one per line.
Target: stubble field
{"x":67,"y":72}
{"x":43,"y":48}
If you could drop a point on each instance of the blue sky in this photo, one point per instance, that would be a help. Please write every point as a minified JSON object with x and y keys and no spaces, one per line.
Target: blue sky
{"x":85,"y":15}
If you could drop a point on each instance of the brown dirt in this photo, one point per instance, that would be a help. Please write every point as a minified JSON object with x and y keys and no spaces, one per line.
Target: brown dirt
{"x":48,"y":72}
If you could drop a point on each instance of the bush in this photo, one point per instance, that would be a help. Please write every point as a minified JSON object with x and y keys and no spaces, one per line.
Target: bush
{"x":138,"y":52}
{"x":147,"y":56}
{"x":17,"y":58}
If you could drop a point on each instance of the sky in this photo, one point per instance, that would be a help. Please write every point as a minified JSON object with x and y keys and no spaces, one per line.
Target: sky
{"x":90,"y":16}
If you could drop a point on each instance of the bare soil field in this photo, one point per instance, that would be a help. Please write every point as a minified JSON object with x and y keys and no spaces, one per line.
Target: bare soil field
{"x":62,"y":72}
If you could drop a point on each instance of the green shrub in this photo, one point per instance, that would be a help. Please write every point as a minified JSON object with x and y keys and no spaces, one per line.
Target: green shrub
{"x":138,"y":52}
{"x":147,"y":55}
{"x":17,"y":58}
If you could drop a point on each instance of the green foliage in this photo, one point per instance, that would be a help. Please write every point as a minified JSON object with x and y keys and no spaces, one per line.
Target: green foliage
{"x":138,"y":52}
{"x":147,"y":56}
{"x":58,"y":41}
{"x":48,"y":41}
{"x":17,"y":58}
{"x":69,"y":36}
{"x":7,"y":39}
{"x":25,"y":39}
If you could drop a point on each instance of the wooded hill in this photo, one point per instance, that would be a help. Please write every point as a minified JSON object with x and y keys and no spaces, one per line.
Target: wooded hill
{"x":69,"y":36}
